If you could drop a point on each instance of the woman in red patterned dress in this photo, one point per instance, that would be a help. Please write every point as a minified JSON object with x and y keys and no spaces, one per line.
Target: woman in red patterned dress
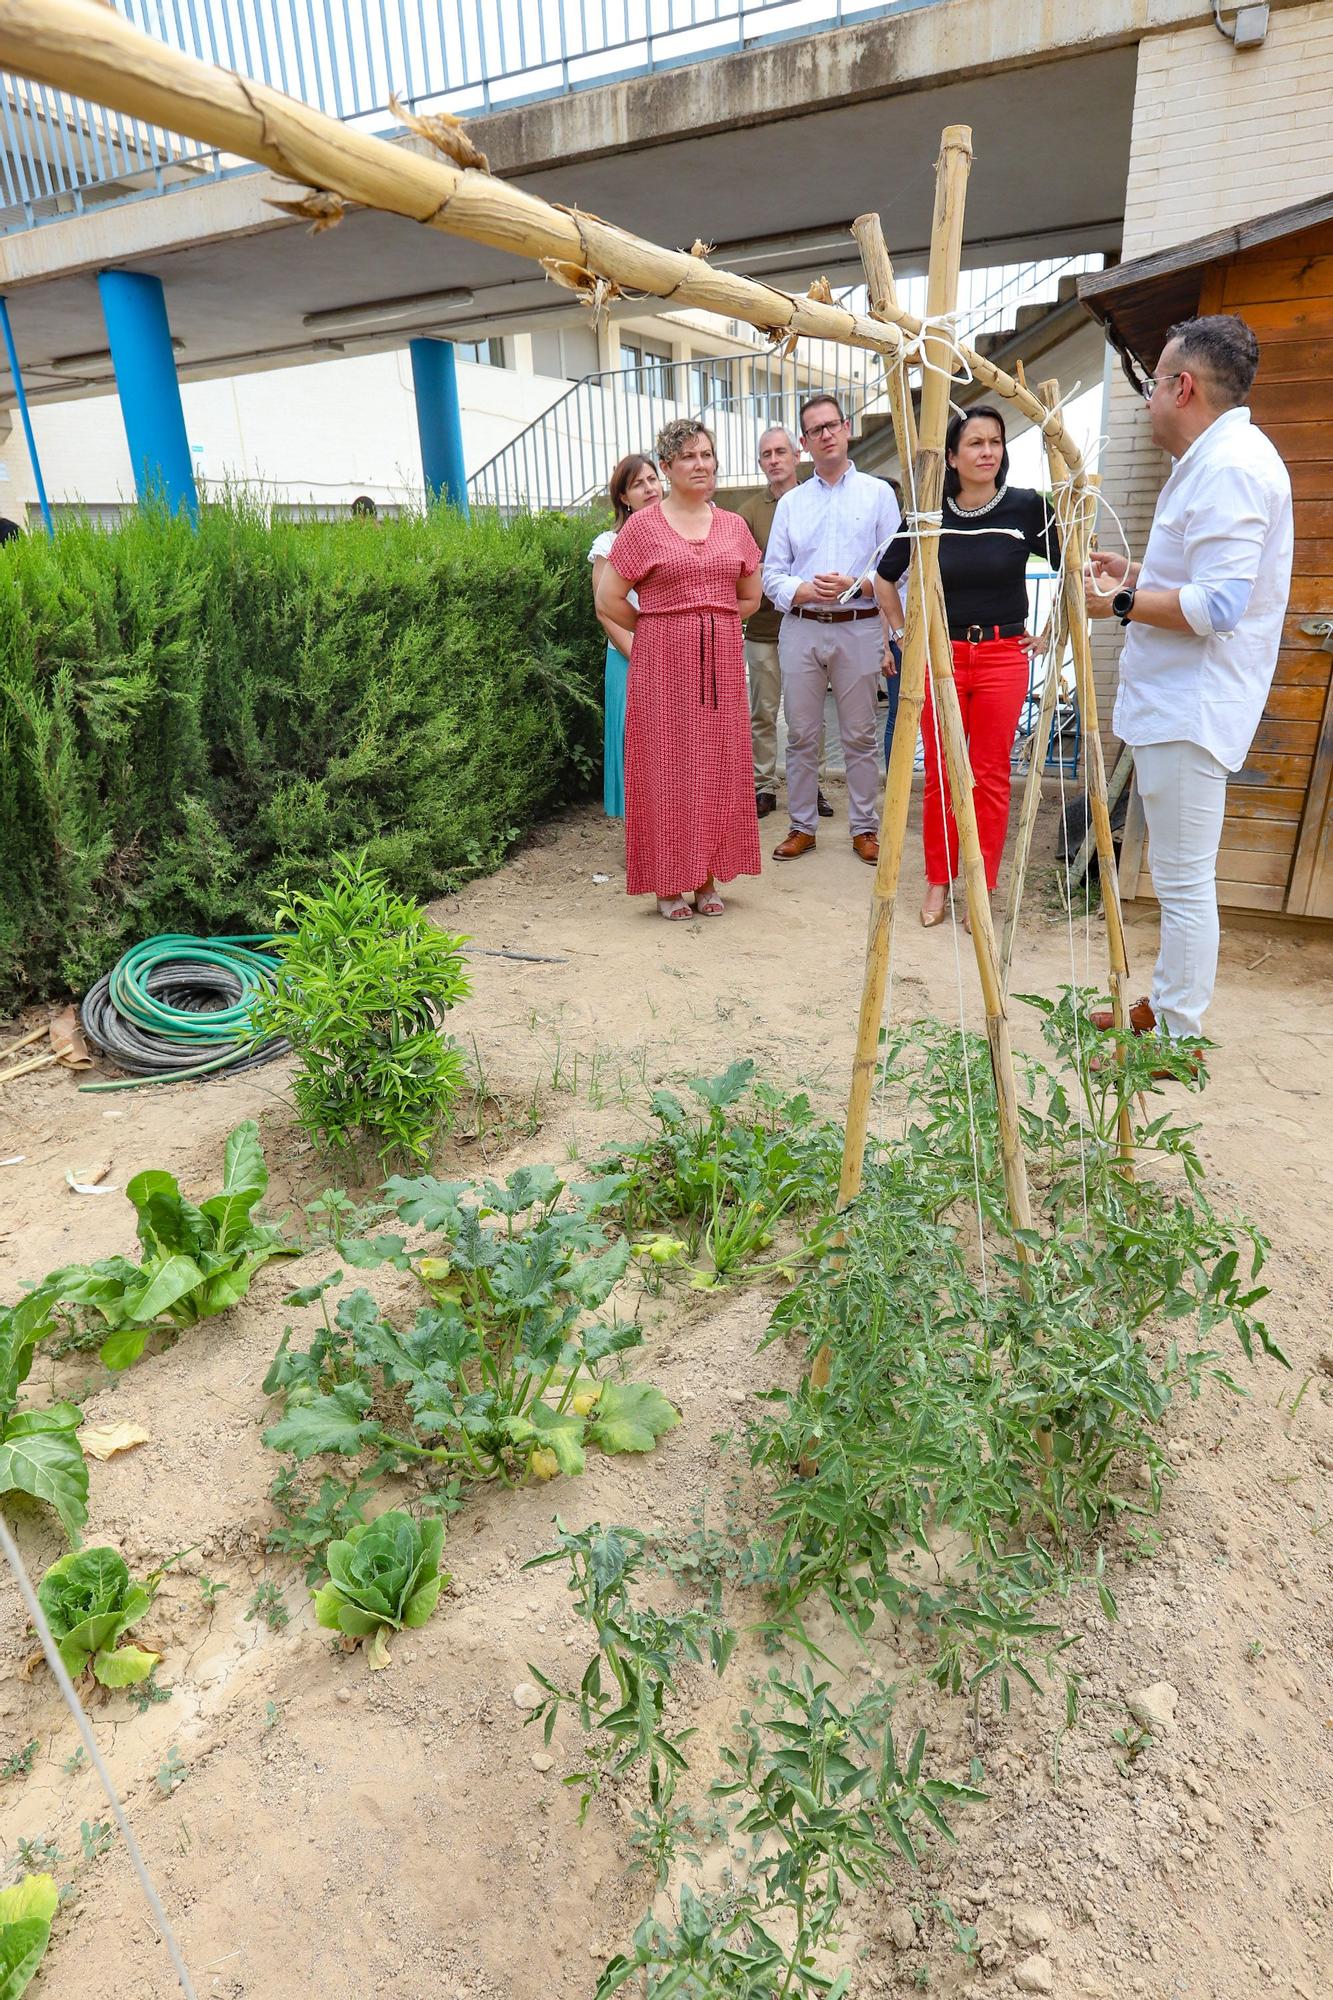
{"x":689,"y":774}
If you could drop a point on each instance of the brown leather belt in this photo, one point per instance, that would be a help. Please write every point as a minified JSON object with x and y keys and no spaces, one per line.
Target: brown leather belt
{"x":840,"y":617}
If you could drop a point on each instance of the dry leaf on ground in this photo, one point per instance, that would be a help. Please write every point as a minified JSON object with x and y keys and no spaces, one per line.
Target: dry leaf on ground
{"x":105,"y":1440}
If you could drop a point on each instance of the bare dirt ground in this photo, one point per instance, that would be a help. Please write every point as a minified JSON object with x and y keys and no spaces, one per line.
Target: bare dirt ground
{"x":347,"y":1835}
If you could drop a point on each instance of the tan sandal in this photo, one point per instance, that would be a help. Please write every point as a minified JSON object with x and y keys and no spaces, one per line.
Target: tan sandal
{"x":707,"y":901}
{"x":674,"y":908}
{"x":929,"y":918}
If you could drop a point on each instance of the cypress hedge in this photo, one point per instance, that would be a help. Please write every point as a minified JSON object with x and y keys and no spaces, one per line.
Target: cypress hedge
{"x":190,"y":719}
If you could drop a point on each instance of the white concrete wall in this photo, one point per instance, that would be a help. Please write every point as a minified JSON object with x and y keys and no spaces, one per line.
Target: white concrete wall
{"x":322,"y":432}
{"x":1220,"y":136}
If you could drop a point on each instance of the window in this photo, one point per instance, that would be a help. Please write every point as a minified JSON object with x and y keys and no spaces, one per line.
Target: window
{"x":484,"y":353}
{"x":91,"y":513}
{"x":710,"y":384}
{"x":307,"y":511}
{"x":648,"y":367}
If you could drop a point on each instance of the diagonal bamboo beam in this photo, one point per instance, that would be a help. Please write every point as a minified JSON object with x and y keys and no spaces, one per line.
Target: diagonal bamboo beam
{"x":84,"y":47}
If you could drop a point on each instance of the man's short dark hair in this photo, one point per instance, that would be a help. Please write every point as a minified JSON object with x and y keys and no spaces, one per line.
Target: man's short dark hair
{"x":815,"y":402}
{"x":1221,"y":347}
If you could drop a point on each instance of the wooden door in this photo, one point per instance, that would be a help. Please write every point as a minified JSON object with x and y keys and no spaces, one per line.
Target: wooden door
{"x":1277,"y":843}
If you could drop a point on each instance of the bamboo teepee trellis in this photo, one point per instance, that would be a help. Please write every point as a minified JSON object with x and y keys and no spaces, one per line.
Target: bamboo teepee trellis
{"x":83,"y":47}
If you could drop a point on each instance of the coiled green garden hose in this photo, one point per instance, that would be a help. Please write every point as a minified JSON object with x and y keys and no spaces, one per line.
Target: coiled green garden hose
{"x":175,"y":1007}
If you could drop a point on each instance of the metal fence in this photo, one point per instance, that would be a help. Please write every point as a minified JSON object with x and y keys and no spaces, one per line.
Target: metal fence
{"x":347,"y":57}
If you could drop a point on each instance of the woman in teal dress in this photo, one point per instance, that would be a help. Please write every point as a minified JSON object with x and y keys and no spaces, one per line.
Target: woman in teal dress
{"x":634,"y":484}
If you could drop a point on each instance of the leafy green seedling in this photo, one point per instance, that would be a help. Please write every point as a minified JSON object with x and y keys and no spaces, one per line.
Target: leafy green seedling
{"x":172,"y":1772}
{"x":20,"y":1762}
{"x":211,"y":1591}
{"x":384,"y":1577}
{"x":267,"y":1603}
{"x":1133,"y":1740}
{"x":97,"y":1836}
{"x":40,"y":1453}
{"x":148,"y":1694}
{"x":38,"y":1853}
{"x":197,"y":1260}
{"x":75,"y":1762}
{"x":90,"y":1602}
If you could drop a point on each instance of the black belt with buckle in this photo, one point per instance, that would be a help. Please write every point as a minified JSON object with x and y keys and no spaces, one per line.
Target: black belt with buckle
{"x":839,"y":617}
{"x":980,"y":635}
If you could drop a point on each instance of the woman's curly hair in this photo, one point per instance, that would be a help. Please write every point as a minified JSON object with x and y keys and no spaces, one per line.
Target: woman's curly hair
{"x":673,"y":437}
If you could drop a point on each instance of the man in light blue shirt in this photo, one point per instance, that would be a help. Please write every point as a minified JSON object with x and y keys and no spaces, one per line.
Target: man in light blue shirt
{"x":827,"y":535}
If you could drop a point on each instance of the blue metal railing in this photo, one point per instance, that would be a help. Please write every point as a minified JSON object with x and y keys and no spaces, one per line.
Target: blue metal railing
{"x":347,"y":57}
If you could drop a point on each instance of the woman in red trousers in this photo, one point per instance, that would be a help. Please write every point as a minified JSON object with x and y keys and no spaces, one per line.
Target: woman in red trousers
{"x":690,"y":817}
{"x":990,"y":530}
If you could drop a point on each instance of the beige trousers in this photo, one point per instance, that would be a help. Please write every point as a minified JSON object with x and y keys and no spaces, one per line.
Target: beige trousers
{"x":764,"y":671}
{"x":813,"y":656}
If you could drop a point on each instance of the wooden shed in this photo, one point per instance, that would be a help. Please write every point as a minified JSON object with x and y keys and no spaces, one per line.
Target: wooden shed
{"x":1276,"y":273}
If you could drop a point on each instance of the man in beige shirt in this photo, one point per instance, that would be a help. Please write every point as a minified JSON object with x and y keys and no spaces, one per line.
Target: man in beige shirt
{"x":778,"y":463}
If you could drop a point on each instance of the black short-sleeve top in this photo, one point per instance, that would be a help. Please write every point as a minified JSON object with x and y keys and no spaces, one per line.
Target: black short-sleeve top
{"x":984,"y":571}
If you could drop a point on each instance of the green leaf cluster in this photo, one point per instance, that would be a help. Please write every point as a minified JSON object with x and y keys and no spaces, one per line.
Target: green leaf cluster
{"x":26,"y":1914}
{"x":498,"y":1376}
{"x":363,"y":987}
{"x":40,"y":1453}
{"x":192,"y":718}
{"x":383,"y":1577}
{"x":90,"y":1602}
{"x":197,"y":1259}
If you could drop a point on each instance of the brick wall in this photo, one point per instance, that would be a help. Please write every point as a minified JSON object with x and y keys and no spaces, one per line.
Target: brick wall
{"x":1219,"y":137}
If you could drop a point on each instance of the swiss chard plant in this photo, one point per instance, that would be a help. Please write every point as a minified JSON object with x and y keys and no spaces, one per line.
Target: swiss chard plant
{"x":26,"y":1915}
{"x":91,"y":1602}
{"x":40,"y":1453}
{"x":384,"y":1577}
{"x":197,"y":1259}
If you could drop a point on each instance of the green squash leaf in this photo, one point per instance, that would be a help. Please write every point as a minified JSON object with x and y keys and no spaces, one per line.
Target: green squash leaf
{"x":630,"y":1416}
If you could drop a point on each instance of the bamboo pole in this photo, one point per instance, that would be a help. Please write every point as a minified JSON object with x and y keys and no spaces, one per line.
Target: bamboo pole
{"x":85,"y":47}
{"x":22,"y":1069}
{"x":1075,"y":509}
{"x":1049,"y":393}
{"x":1119,"y":779}
{"x":23,"y":1042}
{"x":898,"y":778}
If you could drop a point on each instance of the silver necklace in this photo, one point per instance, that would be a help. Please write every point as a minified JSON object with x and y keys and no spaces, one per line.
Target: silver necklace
{"x":973,"y":513}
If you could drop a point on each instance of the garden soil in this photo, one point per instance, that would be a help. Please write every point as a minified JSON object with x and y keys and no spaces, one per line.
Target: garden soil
{"x":346,"y":1834}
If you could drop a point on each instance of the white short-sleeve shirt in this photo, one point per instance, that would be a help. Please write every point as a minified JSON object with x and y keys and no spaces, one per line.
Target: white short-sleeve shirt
{"x":602,"y":547}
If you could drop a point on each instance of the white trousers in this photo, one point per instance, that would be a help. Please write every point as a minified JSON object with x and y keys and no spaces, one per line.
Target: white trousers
{"x":1184,"y":794}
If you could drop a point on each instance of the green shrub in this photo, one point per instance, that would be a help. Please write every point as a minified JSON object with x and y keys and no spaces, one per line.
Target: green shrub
{"x":365,"y":982}
{"x":190,"y":721}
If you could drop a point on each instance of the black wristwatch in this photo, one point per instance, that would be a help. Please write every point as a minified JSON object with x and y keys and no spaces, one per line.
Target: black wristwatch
{"x":1122,"y":604}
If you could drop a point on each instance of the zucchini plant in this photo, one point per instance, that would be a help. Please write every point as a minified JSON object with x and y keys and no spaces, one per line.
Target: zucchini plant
{"x":40,"y":1453}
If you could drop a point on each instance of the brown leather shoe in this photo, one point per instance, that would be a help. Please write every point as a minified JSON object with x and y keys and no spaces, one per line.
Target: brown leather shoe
{"x":867,"y":846}
{"x":764,"y":804}
{"x":795,"y":844}
{"x":1142,"y":1020}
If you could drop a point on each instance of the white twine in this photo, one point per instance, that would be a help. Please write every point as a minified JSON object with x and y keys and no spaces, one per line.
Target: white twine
{"x":75,"y":1707}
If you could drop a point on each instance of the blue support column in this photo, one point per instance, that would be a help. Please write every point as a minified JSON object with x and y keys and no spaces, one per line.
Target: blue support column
{"x":439,"y":422}
{"x":135,"y":311}
{"x":24,"y":413}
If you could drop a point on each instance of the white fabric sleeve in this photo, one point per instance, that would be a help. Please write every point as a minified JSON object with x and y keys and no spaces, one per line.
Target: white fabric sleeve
{"x":1223,"y":544}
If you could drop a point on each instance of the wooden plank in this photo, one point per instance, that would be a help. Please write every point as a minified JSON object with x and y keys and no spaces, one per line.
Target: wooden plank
{"x":1290,"y":739}
{"x":1310,"y":597}
{"x":1292,"y":402}
{"x":1311,"y":481}
{"x":1241,"y":864}
{"x":1257,"y":836}
{"x":1293,"y":361}
{"x":1296,"y":229}
{"x":1300,"y":442}
{"x":1251,"y":895}
{"x":1273,"y":802}
{"x":1311,"y":893}
{"x":1313,"y":517}
{"x":1303,"y":663}
{"x":1296,"y":704}
{"x":1295,"y":319}
{"x":1253,"y":280}
{"x":1312,"y":558}
{"x":1288,"y":770}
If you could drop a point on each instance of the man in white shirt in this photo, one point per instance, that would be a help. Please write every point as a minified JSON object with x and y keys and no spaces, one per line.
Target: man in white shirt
{"x":826,"y":536}
{"x":1203,"y":615}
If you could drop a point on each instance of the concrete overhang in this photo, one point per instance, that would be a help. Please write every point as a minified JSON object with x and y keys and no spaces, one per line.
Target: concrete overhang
{"x":767,"y":155}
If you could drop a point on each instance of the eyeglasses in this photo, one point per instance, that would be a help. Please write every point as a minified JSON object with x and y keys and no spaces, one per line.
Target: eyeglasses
{"x":1152,"y":383}
{"x":824,"y":430}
